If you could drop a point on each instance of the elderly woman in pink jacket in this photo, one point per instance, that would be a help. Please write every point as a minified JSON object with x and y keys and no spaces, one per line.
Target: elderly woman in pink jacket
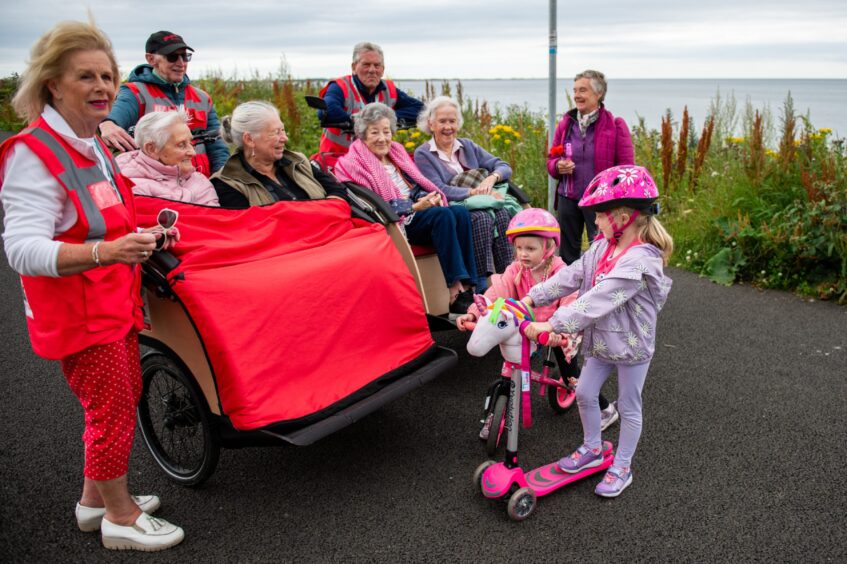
{"x":162,"y":166}
{"x":587,"y":141}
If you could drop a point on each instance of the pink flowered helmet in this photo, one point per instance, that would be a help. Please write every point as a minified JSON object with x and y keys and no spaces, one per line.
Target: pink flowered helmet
{"x":536,"y":222}
{"x":627,"y":185}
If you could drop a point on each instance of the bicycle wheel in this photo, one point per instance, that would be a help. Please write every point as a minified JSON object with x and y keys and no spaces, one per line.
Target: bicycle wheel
{"x":175,"y":422}
{"x":497,"y":433}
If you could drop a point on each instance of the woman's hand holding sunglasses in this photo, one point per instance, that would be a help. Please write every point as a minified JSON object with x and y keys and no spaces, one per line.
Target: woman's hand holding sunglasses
{"x":166,"y":232}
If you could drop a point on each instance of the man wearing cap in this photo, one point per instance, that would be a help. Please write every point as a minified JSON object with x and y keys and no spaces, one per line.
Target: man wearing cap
{"x":161,"y":85}
{"x":347,"y":96}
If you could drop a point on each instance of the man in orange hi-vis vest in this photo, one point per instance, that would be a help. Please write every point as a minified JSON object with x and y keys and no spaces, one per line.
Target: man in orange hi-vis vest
{"x":347,"y":95}
{"x":161,"y":85}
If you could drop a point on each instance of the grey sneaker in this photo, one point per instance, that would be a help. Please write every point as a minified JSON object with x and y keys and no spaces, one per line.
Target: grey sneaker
{"x":608,"y":416}
{"x":581,"y":459}
{"x":614,"y":482}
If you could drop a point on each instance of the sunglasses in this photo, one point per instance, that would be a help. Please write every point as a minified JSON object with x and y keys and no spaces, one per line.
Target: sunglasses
{"x":173,"y":57}
{"x":166,"y":220}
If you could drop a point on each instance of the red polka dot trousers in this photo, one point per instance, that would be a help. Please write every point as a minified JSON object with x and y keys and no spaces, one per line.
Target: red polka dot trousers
{"x":107,"y":381}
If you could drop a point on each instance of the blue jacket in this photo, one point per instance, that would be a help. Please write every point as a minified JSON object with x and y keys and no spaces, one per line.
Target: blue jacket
{"x":471,"y":155}
{"x":406,"y":108}
{"x":125,"y":111}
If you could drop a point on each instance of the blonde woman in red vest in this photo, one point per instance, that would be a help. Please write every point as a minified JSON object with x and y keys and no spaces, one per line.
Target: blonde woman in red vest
{"x":71,"y":235}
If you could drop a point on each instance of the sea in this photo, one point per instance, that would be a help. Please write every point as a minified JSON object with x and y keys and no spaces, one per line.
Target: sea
{"x":823,"y":100}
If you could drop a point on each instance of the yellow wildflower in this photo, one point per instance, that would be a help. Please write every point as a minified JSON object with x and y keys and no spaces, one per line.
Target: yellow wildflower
{"x":496,"y":137}
{"x":771,"y":153}
{"x":409,"y":145}
{"x":797,"y":142}
{"x":508,"y":141}
{"x":824,"y":131}
{"x":492,"y":131}
{"x":517,"y":135}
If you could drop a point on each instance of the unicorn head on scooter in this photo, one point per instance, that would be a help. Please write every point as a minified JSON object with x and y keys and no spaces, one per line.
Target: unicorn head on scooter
{"x":499,"y":324}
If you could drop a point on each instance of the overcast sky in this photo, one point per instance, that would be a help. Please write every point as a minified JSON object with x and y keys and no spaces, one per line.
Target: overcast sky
{"x":465,"y":38}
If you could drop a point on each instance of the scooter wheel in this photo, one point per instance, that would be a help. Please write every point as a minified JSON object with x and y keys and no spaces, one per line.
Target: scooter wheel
{"x":560,"y":399}
{"x":521,"y":504}
{"x":497,"y":433}
{"x":480,"y":470}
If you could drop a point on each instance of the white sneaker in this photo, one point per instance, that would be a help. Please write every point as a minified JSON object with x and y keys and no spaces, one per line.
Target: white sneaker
{"x":88,"y":518}
{"x":148,"y":534}
{"x":608,"y":416}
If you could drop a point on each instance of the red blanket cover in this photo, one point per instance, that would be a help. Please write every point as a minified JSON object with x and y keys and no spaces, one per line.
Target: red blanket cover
{"x":298,"y":305}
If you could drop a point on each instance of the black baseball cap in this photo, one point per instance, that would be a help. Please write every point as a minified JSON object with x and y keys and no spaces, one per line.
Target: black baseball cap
{"x":165,"y":43}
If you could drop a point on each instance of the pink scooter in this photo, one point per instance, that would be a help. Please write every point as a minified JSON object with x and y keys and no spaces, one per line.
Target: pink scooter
{"x":504,"y":324}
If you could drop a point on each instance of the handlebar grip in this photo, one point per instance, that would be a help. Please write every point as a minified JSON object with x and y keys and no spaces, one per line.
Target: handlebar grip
{"x":543,"y":339}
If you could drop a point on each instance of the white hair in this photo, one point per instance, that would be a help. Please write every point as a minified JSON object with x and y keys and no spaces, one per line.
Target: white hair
{"x":364,"y":47}
{"x":155,"y":128}
{"x":249,"y":117}
{"x":372,"y":113}
{"x":597,"y":80}
{"x":432,"y":106}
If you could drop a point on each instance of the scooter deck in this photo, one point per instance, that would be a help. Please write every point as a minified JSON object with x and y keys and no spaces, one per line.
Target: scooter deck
{"x":549,"y":478}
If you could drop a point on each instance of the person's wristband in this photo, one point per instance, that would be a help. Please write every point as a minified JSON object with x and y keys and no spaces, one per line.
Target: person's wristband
{"x":497,"y":177}
{"x":95,"y":253}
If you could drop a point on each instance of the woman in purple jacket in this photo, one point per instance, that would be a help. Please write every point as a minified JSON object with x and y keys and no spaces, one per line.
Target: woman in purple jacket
{"x":587,"y":141}
{"x":447,"y":155}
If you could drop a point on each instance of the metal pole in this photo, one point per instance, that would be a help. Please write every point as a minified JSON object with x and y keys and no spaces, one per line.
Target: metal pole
{"x":551,"y":99}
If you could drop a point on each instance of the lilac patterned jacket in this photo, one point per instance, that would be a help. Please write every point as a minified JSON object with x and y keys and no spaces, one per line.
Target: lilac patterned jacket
{"x":618,"y":315}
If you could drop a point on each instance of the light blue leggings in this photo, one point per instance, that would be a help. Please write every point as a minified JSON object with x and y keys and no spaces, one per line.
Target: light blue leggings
{"x":630,"y":383}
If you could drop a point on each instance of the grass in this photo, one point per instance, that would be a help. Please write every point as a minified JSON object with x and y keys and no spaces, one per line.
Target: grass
{"x":767,"y":208}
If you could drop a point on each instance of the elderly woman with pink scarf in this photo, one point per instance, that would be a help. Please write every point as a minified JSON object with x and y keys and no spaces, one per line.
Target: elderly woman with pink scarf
{"x":378,"y":163}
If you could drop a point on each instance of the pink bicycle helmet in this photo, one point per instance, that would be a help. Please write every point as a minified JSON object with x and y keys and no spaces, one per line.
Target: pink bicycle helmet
{"x":536,"y":222}
{"x":627,"y":185}
{"x":621,"y":186}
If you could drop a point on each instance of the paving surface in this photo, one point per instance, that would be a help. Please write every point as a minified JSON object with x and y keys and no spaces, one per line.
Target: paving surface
{"x":742,"y":458}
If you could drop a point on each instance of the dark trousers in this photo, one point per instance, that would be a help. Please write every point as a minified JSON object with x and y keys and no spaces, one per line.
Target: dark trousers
{"x":572,"y":221}
{"x":572,"y":371}
{"x":448,"y":229}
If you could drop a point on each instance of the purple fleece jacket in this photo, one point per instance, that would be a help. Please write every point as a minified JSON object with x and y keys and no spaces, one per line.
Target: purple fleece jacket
{"x":612,"y":144}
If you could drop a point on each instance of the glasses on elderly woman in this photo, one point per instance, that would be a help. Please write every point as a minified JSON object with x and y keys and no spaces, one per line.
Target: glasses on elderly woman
{"x":166,"y":220}
{"x":172,"y":58}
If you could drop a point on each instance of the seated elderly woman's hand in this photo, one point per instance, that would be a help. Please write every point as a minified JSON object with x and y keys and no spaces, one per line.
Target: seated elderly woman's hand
{"x":485,"y":187}
{"x":431,"y":200}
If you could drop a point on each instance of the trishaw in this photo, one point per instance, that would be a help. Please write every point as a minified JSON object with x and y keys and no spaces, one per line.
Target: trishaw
{"x":276,"y":324}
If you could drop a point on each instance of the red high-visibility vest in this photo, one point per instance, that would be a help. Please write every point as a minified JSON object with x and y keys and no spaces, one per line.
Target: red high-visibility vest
{"x":197,"y":106}
{"x":334,"y":143}
{"x":68,"y":314}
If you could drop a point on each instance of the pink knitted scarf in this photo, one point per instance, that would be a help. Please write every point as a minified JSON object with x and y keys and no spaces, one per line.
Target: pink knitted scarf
{"x":361,"y":166}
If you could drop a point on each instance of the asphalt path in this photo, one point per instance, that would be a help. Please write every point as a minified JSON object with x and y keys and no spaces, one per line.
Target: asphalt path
{"x":742,"y":458}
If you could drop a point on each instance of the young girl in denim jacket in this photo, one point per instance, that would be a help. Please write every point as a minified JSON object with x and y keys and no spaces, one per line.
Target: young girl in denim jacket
{"x":534,"y":234}
{"x":622,"y":288}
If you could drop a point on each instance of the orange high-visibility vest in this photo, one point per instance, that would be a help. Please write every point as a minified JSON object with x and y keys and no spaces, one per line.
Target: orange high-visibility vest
{"x":197,"y":106}
{"x":68,"y":314}
{"x":333,"y":141}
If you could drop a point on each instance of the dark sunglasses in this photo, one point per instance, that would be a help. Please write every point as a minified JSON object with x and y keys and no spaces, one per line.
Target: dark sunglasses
{"x":172,"y":58}
{"x":166,"y":220}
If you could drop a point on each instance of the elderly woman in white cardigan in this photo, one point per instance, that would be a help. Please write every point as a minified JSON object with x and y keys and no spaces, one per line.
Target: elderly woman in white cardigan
{"x":445,"y":156}
{"x":162,"y":166}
